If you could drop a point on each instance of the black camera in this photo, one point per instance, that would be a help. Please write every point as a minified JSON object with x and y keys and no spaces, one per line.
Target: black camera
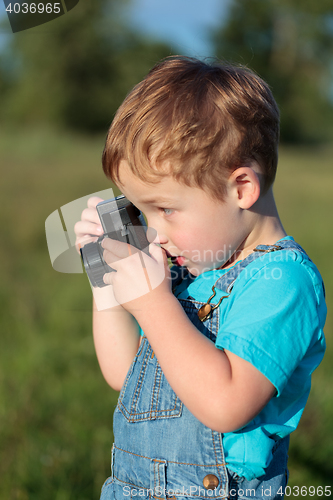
{"x":121,"y":221}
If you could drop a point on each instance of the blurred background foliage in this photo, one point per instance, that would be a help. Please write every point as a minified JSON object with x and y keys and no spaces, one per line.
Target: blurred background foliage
{"x":74,"y":72}
{"x":290,"y":45}
{"x":60,"y":86}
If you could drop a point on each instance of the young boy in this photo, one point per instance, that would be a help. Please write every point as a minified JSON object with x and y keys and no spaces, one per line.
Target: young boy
{"x":213,"y":363}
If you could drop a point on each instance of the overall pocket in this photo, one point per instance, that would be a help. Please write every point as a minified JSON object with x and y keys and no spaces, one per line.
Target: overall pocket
{"x":146,"y":393}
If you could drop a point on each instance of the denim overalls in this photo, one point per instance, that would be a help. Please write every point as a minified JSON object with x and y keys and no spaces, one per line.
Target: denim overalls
{"x":161,"y":450}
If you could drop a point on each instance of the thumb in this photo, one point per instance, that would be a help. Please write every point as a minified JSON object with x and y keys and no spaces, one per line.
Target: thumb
{"x":157,"y":253}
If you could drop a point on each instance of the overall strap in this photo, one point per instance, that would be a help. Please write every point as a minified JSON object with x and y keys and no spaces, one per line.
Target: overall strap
{"x":227,"y":281}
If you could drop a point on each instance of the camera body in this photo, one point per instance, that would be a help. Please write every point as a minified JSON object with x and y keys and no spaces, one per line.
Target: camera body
{"x":121,"y":221}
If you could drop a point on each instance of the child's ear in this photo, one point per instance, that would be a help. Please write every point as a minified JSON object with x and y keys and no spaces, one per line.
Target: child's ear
{"x":247,"y":184}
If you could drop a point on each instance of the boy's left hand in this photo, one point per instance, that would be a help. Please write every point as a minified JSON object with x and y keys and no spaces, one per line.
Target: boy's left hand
{"x":137,"y":275}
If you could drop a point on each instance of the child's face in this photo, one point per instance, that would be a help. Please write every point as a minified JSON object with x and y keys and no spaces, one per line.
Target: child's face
{"x":195,"y":229}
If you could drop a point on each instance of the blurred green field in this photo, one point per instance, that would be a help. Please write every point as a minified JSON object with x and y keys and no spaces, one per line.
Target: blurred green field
{"x":56,"y":410}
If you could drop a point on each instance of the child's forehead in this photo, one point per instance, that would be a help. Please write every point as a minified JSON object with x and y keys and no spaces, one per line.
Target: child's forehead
{"x":148,"y":180}
{"x":164,"y":189}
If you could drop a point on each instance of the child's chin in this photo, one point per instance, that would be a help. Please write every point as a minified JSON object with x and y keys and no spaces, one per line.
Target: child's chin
{"x":193,"y":270}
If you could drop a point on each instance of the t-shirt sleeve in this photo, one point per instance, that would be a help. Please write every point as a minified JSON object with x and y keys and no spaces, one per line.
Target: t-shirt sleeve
{"x":275,"y":318}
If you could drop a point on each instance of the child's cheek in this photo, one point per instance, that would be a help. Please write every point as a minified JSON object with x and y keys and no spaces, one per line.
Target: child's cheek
{"x":187,"y":243}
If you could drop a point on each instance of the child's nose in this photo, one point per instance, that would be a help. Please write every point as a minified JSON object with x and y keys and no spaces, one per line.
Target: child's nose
{"x":152,"y":235}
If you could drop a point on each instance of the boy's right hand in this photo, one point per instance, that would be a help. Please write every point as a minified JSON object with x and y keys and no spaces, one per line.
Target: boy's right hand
{"x":116,"y":332}
{"x":89,"y":228}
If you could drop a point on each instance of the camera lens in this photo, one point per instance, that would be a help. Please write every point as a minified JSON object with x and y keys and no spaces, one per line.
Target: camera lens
{"x":94,"y":264}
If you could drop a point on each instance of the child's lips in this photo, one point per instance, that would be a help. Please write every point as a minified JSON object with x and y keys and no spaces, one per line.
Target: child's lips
{"x":179,"y":260}
{"x":176,"y":259}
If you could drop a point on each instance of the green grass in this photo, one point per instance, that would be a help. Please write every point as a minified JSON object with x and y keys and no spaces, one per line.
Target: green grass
{"x":56,"y":410}
{"x":304,"y":196}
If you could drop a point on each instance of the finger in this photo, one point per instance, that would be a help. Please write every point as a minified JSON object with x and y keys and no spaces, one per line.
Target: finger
{"x":108,"y":278}
{"x":84,"y":228}
{"x":110,"y":258}
{"x":85,"y":239}
{"x":160,"y":269}
{"x":93,"y":201}
{"x":158,"y":253}
{"x":90,"y":215}
{"x":119,"y":249}
{"x":114,"y":260}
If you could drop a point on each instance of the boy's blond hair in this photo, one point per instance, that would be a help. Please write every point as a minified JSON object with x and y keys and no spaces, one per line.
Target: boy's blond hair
{"x":197,"y":122}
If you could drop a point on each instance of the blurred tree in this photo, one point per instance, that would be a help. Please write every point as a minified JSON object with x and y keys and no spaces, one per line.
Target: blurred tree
{"x":290,"y":45}
{"x":75,"y":70}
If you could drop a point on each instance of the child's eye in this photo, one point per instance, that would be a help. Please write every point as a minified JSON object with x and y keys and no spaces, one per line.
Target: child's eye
{"x":167,"y":211}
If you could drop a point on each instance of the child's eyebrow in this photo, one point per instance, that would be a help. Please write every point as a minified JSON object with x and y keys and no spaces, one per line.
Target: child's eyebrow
{"x":155,"y":201}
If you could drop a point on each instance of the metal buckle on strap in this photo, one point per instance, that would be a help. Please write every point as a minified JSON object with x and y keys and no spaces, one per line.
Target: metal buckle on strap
{"x":206,"y":310}
{"x":273,"y":248}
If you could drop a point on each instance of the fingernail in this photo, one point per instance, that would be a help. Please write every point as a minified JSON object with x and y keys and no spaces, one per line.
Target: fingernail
{"x":100,"y":229}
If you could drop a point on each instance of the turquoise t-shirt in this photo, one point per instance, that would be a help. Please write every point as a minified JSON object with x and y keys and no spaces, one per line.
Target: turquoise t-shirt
{"x":273,"y":318}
